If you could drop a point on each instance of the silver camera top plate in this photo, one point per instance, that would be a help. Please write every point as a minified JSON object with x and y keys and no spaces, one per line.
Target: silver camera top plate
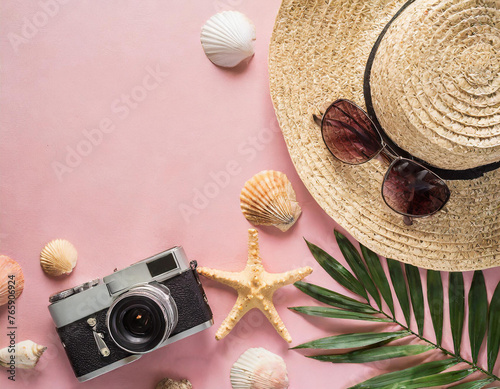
{"x":69,"y":306}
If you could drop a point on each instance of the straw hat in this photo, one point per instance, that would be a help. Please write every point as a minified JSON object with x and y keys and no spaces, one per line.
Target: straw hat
{"x":430,"y":70}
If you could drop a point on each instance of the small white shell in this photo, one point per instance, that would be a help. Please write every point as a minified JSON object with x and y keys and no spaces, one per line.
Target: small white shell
{"x":27,"y":354}
{"x":258,"y":368}
{"x":58,"y":257}
{"x":228,"y":38}
{"x":168,"y":383}
{"x":269,"y":199}
{"x":11,"y":271}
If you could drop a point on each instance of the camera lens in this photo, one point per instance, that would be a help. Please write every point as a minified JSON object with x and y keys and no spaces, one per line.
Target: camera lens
{"x":142,"y":318}
{"x":139,"y":321}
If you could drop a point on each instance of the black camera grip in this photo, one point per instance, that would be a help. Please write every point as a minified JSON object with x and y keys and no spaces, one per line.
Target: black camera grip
{"x":81,"y":348}
{"x":190,"y":299}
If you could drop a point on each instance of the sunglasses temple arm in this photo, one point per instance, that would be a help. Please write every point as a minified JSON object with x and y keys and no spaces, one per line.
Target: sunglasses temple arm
{"x":317,"y":119}
{"x":407,"y":220}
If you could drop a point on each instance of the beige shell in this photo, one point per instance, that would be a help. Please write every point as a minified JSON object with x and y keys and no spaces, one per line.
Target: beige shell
{"x":58,"y":257}
{"x":258,"y":368}
{"x":269,"y":199}
{"x":168,"y":383}
{"x":27,"y":354}
{"x":10,"y":274}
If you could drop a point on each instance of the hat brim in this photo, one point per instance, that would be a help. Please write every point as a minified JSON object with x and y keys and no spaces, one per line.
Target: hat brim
{"x":317,"y":54}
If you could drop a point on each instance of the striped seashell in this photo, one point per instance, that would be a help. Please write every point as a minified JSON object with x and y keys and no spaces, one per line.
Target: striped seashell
{"x":258,"y":368}
{"x":58,"y":257}
{"x":269,"y":199}
{"x":11,"y":271}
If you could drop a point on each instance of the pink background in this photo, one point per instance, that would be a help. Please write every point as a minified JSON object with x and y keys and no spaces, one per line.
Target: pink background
{"x":127,"y":196}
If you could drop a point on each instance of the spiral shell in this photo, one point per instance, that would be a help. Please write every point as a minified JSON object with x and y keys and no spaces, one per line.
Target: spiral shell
{"x":269,"y":199}
{"x":228,"y":38}
{"x":11,"y":271}
{"x":168,"y":383}
{"x":27,"y":354}
{"x":58,"y":257}
{"x":258,"y":368}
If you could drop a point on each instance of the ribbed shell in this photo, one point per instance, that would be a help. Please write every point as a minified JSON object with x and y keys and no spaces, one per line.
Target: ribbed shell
{"x":9,"y":267}
{"x":258,"y":368}
{"x":269,"y":199}
{"x":228,"y":38}
{"x":58,"y":257}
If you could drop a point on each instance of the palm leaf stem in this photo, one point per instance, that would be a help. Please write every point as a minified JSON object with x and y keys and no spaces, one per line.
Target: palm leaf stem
{"x":447,"y":352}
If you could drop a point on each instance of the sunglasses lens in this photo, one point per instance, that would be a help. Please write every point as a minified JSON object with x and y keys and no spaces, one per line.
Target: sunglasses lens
{"x":349,"y":133}
{"x":411,"y":189}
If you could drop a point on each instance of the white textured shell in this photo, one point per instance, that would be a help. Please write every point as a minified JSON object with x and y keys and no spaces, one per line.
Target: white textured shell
{"x":168,"y":383}
{"x":228,"y":38}
{"x":269,"y":199}
{"x":58,"y":257}
{"x":10,"y":270}
{"x":26,"y":357}
{"x":258,"y":368}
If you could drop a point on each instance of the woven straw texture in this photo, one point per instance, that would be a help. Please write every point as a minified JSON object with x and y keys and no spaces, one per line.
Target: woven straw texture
{"x":318,"y":53}
{"x":436,"y":78}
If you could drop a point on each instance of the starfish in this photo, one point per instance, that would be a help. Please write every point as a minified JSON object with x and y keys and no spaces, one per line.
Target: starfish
{"x":255,"y":288}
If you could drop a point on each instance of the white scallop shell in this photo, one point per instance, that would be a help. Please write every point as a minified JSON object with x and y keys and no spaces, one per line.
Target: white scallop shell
{"x":258,"y":368}
{"x":11,"y":271}
{"x":58,"y":257}
{"x":228,"y":38}
{"x":269,"y":199}
{"x":27,"y":354}
{"x":168,"y":383}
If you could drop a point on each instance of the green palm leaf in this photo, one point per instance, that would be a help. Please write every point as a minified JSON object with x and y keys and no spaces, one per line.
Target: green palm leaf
{"x":423,"y":370}
{"x":338,"y":272}
{"x":436,"y":380}
{"x":338,"y":314}
{"x":416,"y":295}
{"x":473,"y":384}
{"x":478,"y":311}
{"x":355,"y":262}
{"x":373,"y":344}
{"x":353,"y":340}
{"x":374,"y":354}
{"x":399,"y":284}
{"x":377,"y":272}
{"x":456,"y":297}
{"x":436,"y":302}
{"x":494,"y":329}
{"x":333,"y":298}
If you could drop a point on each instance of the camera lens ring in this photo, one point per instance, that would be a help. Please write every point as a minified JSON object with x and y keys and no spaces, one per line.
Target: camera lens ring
{"x":141,"y":319}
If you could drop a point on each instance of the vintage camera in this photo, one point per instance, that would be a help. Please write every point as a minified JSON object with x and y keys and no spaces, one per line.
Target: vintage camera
{"x":106,"y":324}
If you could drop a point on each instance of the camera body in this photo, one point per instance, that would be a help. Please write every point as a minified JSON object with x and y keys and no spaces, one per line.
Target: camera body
{"x":105,"y":324}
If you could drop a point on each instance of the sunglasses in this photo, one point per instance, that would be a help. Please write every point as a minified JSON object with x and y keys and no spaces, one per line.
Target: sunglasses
{"x":408,"y":188}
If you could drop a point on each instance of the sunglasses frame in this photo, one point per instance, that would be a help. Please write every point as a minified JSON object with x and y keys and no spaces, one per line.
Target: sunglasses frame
{"x":388,"y":154}
{"x":382,"y":143}
{"x":409,"y":217}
